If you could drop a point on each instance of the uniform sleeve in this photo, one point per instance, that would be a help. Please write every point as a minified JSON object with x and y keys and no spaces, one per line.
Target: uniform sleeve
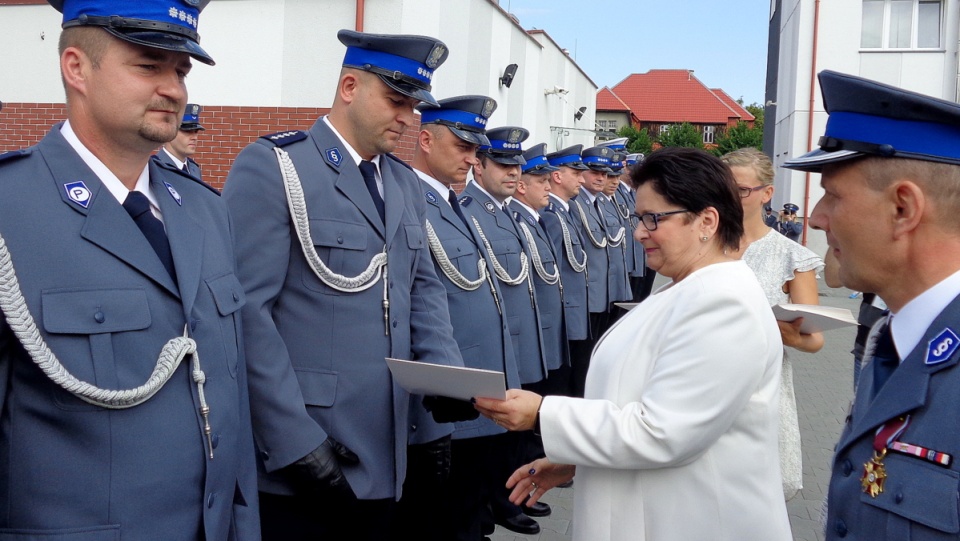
{"x":711,"y":358}
{"x":256,"y":199}
{"x":431,"y":334}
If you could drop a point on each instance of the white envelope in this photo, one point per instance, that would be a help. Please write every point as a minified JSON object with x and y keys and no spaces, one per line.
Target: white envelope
{"x":816,"y":318}
{"x":453,"y":381}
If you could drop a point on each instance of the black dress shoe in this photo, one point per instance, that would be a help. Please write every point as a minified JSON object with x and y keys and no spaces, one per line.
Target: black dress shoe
{"x":520,"y":524}
{"x":538,"y":509}
{"x":568,"y":484}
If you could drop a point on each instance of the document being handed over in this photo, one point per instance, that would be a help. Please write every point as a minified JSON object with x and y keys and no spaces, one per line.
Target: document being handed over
{"x":453,"y":381}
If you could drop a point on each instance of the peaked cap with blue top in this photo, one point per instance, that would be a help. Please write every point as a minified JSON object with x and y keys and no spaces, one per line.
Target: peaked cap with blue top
{"x":466,"y":116}
{"x":537,"y":163}
{"x":868,"y":118}
{"x":505,"y":146}
{"x":163,"y":24}
{"x":568,"y":157}
{"x":404,"y":63}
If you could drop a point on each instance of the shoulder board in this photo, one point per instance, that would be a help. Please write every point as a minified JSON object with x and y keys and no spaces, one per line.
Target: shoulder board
{"x":284,"y":138}
{"x":551,"y":207}
{"x":517,"y":217}
{"x":398,"y":160}
{"x":465,"y":201}
{"x":175,"y":169}
{"x":14,"y":154}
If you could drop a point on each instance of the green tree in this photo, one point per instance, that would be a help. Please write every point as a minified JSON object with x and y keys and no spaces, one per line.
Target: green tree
{"x":637,"y":140}
{"x":739,"y":136}
{"x":682,"y":135}
{"x":757,"y":111}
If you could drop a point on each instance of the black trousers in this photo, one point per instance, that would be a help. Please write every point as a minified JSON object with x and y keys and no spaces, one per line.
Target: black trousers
{"x":475,"y":474}
{"x":427,"y":477}
{"x":313,"y":517}
{"x":580,"y":351}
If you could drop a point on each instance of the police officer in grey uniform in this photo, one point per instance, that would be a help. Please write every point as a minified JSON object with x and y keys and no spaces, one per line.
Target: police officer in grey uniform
{"x":450,"y":134}
{"x":334,"y":258}
{"x":495,"y":179}
{"x":123,"y":386}
{"x":179,"y":151}
{"x":894,"y":155}
{"x":564,"y":235}
{"x":613,"y":207}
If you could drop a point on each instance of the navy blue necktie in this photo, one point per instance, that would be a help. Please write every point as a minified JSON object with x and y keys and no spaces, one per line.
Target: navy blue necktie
{"x":138,"y":207}
{"x":369,"y":172}
{"x":884,"y":359}
{"x":452,"y":198}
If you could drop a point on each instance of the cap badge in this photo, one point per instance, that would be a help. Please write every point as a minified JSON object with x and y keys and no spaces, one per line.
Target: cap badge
{"x":433,"y":59}
{"x":515,"y":136}
{"x":488,"y":107}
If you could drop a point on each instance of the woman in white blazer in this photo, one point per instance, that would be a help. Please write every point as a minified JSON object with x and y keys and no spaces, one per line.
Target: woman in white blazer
{"x":676,"y":437}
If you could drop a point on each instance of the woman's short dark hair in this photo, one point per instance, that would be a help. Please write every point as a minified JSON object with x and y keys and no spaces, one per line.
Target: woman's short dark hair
{"x":695,"y":180}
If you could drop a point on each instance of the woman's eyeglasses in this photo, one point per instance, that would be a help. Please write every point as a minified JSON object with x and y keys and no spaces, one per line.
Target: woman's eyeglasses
{"x":651,"y":220}
{"x":746,"y":191}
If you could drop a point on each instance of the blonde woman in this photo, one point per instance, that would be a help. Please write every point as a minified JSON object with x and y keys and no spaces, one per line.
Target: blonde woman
{"x":787,"y":273}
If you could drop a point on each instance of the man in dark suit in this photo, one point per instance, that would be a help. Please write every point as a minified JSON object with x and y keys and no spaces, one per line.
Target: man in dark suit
{"x":179,"y":151}
{"x":126,"y":268}
{"x":335,"y":262}
{"x":894,"y":156}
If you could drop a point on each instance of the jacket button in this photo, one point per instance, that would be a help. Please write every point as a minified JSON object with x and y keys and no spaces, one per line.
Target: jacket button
{"x":899,"y":497}
{"x":339,"y":240}
{"x":413,"y":428}
{"x":394,"y":324}
{"x":210,"y":500}
{"x":847,"y":468}
{"x":216,"y":440}
{"x":264,"y":456}
{"x":841,"y":528}
{"x":236,"y":297}
{"x":99,"y":317}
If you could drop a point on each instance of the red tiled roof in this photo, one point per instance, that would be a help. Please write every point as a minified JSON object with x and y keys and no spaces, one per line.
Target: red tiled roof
{"x":732,"y":103}
{"x":608,"y":101}
{"x":674,"y":96}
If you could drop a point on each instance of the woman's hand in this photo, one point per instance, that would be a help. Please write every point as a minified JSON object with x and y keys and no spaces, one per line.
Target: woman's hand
{"x":517,"y":412}
{"x":792,"y":337}
{"x":535,"y":479}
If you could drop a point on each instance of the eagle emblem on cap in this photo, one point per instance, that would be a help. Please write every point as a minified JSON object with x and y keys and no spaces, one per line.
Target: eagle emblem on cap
{"x":606,"y":152}
{"x":194,"y":109}
{"x":488,"y":107}
{"x":515,"y":136}
{"x":193,"y":3}
{"x":433,"y":59}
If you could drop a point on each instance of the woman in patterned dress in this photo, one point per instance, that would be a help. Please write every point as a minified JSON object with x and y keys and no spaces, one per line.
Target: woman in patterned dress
{"x":787,"y":273}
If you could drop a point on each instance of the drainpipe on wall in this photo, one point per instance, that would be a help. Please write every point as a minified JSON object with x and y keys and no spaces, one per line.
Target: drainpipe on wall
{"x":359,"y":23}
{"x":813,"y":89}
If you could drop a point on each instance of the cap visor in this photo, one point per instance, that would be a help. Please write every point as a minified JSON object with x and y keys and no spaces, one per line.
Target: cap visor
{"x":165,"y":41}
{"x":814,"y":161}
{"x":507,"y":159}
{"x":410,"y":90}
{"x":470,"y":136}
{"x":541,"y":170}
{"x":191,"y":127}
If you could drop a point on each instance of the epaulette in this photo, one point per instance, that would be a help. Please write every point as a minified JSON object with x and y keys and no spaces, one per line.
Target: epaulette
{"x":284,"y":138}
{"x":14,"y":154}
{"x":175,"y":169}
{"x":465,"y":201}
{"x":398,"y":160}
{"x":551,"y":208}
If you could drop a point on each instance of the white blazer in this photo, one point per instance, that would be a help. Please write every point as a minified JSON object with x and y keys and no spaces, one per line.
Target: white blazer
{"x":677,"y":436}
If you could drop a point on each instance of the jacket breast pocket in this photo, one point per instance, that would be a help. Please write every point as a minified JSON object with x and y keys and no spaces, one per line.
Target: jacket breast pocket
{"x":319,"y":387}
{"x":341,"y":246}
{"x":81,"y":324}
{"x":229,"y":298}
{"x":921,"y":499}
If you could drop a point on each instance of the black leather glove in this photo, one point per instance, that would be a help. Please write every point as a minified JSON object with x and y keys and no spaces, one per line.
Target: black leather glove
{"x":448,"y":410}
{"x":433,"y":458}
{"x":320,"y":471}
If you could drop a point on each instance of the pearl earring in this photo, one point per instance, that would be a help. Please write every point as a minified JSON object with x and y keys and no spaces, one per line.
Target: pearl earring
{"x":704,"y":239}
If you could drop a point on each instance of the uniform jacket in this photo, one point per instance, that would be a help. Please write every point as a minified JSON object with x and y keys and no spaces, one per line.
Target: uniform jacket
{"x":676,"y":439}
{"x":317,"y":354}
{"x":479,"y":326}
{"x":106,"y":306}
{"x":193,"y":168}
{"x":919,"y":500}
{"x":520,"y":300}
{"x":597,"y":265}
{"x":549,"y":297}
{"x":574,"y":283}
{"x":636,"y":257}
{"x":617,"y":281}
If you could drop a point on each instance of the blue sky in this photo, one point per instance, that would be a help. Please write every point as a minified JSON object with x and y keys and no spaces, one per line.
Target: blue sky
{"x":723,"y":41}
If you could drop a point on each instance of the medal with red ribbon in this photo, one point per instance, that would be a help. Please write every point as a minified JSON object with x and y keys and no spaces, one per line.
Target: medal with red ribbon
{"x":874,"y":472}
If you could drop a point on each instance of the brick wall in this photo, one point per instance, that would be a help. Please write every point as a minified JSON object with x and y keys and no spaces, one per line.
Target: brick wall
{"x":228,"y":130}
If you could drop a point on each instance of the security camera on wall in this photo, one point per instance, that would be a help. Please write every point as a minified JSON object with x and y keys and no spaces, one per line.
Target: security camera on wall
{"x":560,"y":90}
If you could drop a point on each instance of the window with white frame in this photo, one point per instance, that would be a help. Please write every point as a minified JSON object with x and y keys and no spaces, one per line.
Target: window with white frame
{"x":664,"y":128}
{"x":901,"y":24}
{"x":708,"y":134}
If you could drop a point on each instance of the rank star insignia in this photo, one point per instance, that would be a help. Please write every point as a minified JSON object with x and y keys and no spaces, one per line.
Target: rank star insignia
{"x":874,"y":475}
